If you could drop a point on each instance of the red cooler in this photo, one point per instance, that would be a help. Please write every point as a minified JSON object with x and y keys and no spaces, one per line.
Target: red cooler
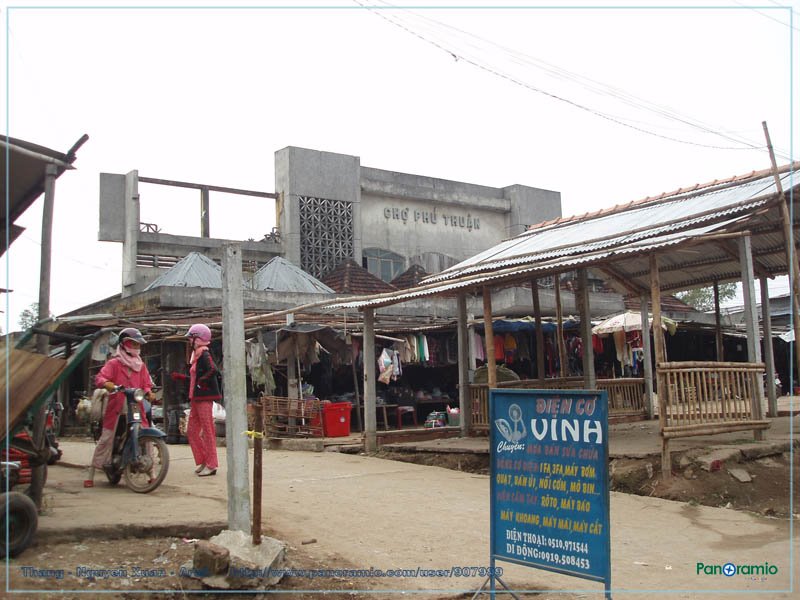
{"x":336,"y":419}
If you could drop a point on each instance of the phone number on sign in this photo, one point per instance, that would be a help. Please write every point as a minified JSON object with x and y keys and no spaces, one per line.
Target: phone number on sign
{"x":558,"y":559}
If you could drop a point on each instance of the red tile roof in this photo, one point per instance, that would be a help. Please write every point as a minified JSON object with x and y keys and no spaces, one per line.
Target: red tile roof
{"x":350,"y":278}
{"x":410,"y":277}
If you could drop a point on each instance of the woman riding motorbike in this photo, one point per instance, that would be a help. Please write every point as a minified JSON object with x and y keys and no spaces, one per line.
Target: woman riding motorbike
{"x":126,"y":369}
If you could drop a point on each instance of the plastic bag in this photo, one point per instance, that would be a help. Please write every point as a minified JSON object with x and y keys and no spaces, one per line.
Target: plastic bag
{"x":218,"y":411}
{"x":99,"y":401}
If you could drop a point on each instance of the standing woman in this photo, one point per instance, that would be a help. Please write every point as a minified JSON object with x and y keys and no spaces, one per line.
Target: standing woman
{"x":203,"y":391}
{"x":125,"y":368}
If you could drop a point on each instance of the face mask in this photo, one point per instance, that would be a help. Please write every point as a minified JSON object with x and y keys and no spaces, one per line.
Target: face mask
{"x":131,"y":350}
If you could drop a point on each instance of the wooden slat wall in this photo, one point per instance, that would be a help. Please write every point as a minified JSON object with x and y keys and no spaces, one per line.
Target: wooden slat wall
{"x":709,"y":393}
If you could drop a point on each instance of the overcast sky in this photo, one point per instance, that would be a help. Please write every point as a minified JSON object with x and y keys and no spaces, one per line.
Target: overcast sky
{"x":605,"y":105}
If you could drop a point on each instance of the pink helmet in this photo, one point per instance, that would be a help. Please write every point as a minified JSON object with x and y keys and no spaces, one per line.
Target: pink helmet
{"x":199,"y":331}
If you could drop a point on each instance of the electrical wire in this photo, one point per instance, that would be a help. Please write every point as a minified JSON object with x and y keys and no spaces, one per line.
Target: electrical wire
{"x":597,"y":87}
{"x":770,"y":17}
{"x":590,"y":84}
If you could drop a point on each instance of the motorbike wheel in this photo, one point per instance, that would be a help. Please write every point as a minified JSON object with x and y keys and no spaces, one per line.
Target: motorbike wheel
{"x":138,"y":479}
{"x":21,"y":526}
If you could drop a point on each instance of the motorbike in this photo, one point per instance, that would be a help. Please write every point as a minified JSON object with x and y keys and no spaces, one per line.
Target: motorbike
{"x":53,"y":428}
{"x":18,"y":530}
{"x":139,"y":453}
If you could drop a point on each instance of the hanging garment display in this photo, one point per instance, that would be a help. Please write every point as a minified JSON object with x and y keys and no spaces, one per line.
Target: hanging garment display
{"x":499,"y":347}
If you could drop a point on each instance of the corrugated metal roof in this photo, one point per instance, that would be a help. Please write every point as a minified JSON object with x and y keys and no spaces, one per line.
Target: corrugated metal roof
{"x":193,"y":270}
{"x":618,"y":228}
{"x":694,"y":233}
{"x":282,"y":276}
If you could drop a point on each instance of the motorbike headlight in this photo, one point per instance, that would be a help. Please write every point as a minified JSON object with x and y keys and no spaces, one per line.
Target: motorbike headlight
{"x":138,"y":395}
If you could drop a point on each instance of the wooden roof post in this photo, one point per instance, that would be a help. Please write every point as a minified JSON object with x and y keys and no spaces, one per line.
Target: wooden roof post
{"x":537,"y":315}
{"x":769,"y":355}
{"x":463,"y":365}
{"x":718,"y":336}
{"x":648,"y":360}
{"x":791,"y":257}
{"x":491,"y":365}
{"x":751,"y":321}
{"x":589,"y":379}
{"x":661,"y":386}
{"x":562,"y":347}
{"x":370,"y":419}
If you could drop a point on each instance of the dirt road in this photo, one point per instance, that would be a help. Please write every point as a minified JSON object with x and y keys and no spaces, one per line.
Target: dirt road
{"x":366,"y":513}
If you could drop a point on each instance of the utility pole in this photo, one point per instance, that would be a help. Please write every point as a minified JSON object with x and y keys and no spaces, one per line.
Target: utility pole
{"x":234,"y":389}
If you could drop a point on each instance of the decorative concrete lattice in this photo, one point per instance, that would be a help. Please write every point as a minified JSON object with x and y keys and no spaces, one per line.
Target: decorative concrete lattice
{"x":326,"y":234}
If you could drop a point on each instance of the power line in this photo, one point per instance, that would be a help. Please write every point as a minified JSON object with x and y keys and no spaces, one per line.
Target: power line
{"x":590,"y":84}
{"x":770,"y":17}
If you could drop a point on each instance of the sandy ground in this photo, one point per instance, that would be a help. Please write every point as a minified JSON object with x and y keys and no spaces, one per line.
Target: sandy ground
{"x":364,"y":512}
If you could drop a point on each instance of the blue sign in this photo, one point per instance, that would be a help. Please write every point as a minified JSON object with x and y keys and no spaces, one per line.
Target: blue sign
{"x":549,"y":480}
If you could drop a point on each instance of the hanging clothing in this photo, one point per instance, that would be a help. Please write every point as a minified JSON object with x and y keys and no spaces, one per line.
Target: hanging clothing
{"x":480,"y":347}
{"x":499,"y":347}
{"x":509,"y":348}
{"x":597,"y":344}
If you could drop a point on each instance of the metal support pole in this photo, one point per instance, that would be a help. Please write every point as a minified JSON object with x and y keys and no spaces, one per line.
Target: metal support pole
{"x":370,"y":419}
{"x":235,"y":389}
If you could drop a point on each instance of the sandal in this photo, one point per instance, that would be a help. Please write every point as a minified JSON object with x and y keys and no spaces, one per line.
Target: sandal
{"x":87,"y":483}
{"x":206,"y":472}
{"x":199,"y":469}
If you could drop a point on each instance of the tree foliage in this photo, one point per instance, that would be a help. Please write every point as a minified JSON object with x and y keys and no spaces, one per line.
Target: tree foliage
{"x":703,"y":298}
{"x":30,"y":316}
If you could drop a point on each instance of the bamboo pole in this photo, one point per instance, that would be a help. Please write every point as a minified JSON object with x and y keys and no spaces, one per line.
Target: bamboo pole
{"x":791,"y":259}
{"x":258,"y":455}
{"x":718,"y":321}
{"x":463,"y":366}
{"x":562,"y":347}
{"x":491,"y":364}
{"x":370,"y":417}
{"x":658,"y":342}
{"x":537,"y":315}
{"x":648,"y":359}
